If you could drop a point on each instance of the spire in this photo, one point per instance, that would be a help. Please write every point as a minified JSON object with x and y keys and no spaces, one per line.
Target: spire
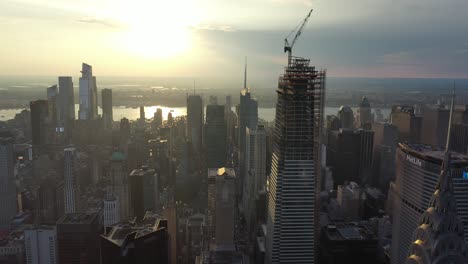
{"x":445,"y":181}
{"x":245,"y":73}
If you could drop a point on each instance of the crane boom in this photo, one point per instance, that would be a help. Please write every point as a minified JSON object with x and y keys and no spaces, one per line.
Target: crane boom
{"x":288,"y":47}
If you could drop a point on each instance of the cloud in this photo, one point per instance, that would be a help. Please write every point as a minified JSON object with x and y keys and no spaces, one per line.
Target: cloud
{"x":224,"y":28}
{"x":100,"y":21}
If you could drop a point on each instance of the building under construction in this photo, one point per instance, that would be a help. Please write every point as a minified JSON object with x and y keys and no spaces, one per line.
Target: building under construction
{"x":295,"y":177}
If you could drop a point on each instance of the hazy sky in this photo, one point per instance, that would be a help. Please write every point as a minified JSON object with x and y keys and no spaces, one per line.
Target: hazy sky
{"x":209,"y":38}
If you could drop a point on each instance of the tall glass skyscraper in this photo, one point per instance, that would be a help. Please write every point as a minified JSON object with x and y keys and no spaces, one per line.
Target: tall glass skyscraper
{"x":88,"y":94}
{"x":294,"y":181}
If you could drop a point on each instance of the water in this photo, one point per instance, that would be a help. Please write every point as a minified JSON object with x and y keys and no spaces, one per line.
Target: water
{"x":133,"y":113}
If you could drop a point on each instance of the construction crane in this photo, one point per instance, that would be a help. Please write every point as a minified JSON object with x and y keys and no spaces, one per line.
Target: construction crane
{"x":288,"y":47}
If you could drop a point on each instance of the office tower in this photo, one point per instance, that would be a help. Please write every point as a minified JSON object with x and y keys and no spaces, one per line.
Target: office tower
{"x":385,"y":144}
{"x":124,"y":130}
{"x":195,"y":228}
{"x":136,"y":241}
{"x":221,"y":205}
{"x":459,"y":138}
{"x":142,"y":115}
{"x":170,"y":213}
{"x":255,"y":175}
{"x":248,"y":118}
{"x":215,"y":136}
{"x":119,"y":180}
{"x":346,"y":117}
{"x":158,"y":118}
{"x":78,"y":238}
{"x":408,"y":124}
{"x":70,"y":187}
{"x":349,"y":243}
{"x":142,"y":185}
{"x":349,"y":199}
{"x":88,"y":94}
{"x":228,"y":118}
{"x":364,"y":114}
{"x":195,"y":121}
{"x":417,"y":174}
{"x":440,"y":236}
{"x":111,"y":210}
{"x":349,"y":154}
{"x":66,"y":105}
{"x":434,"y":125}
{"x":170,"y":119}
{"x":107,"y":116}
{"x":7,"y":182}
{"x":52,"y":103}
{"x":213,"y":100}
{"x":39,"y":116}
{"x":295,"y":176}
{"x":41,"y":245}
{"x":49,"y":200}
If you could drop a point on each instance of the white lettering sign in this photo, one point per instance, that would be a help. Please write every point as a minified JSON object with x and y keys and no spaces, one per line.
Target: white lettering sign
{"x":414,"y":160}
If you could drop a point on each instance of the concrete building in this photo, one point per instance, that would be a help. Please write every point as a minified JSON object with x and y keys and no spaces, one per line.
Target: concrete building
{"x":107,"y":113}
{"x":119,"y":180}
{"x":294,"y":183}
{"x":41,"y":245}
{"x":88,"y":94}
{"x":349,"y":197}
{"x":78,"y":238}
{"x":136,"y":241}
{"x":408,"y":124}
{"x":350,"y":154}
{"x":385,"y":144}
{"x":67,"y":104}
{"x":346,"y":117}
{"x":195,"y":120}
{"x":71,"y":185}
{"x":142,"y":186}
{"x":215,"y":136}
{"x":364,"y":114}
{"x":7,"y":183}
{"x":221,"y":205}
{"x":418,"y":168}
{"x":158,"y":118}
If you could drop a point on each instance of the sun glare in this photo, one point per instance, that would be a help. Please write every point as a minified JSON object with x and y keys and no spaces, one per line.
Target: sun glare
{"x":157,"y":29}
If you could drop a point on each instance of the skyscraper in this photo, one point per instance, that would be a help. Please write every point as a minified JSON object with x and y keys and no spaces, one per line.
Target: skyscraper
{"x":364,"y":114}
{"x":408,"y":124}
{"x":346,"y":117}
{"x":195,"y":121}
{"x":142,"y":185}
{"x":292,"y":226}
{"x":41,"y":245}
{"x":53,"y":107}
{"x":418,"y":168}
{"x":227,"y":117}
{"x":70,"y":188}
{"x":136,"y":241}
{"x":78,"y":238}
{"x":88,"y":94}
{"x":158,"y":118}
{"x":440,"y":237}
{"x":142,"y":115}
{"x":67,"y":104}
{"x":7,"y":182}
{"x":119,"y":180}
{"x":107,"y":116}
{"x":39,"y":116}
{"x":215,"y":136}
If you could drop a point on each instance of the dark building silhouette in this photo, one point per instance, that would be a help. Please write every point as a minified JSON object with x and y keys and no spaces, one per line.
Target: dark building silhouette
{"x":143,"y":190}
{"x":408,"y":124}
{"x":66,"y":104}
{"x":348,"y":243}
{"x":195,"y":121}
{"x":158,"y":118}
{"x":364,"y":114}
{"x":136,"y":241}
{"x":434,"y":125}
{"x":78,"y":238}
{"x":385,"y":144}
{"x":215,"y":136}
{"x":350,"y":154}
{"x":346,"y":117}
{"x":107,"y":115}
{"x":39,"y":116}
{"x":459,"y":138}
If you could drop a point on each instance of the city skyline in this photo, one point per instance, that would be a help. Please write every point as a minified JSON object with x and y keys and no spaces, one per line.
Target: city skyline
{"x":155,"y":38}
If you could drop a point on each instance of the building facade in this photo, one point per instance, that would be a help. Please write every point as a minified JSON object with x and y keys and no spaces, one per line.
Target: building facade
{"x":41,"y":245}
{"x":88,"y":94}
{"x":7,"y":182}
{"x":70,"y":187}
{"x":293,"y":185}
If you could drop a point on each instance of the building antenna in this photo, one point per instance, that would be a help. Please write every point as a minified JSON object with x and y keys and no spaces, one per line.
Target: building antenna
{"x":245,"y":74}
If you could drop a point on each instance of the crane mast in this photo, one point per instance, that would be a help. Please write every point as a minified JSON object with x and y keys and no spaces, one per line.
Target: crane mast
{"x":288,"y":47}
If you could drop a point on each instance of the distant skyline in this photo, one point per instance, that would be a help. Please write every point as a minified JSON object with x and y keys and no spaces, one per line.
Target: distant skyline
{"x":210,"y":38}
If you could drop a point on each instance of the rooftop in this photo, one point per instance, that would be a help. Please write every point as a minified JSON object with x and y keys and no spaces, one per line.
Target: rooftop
{"x":213,"y":172}
{"x":349,"y":231}
{"x":78,"y":218}
{"x":431,"y":153}
{"x":133,"y":229}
